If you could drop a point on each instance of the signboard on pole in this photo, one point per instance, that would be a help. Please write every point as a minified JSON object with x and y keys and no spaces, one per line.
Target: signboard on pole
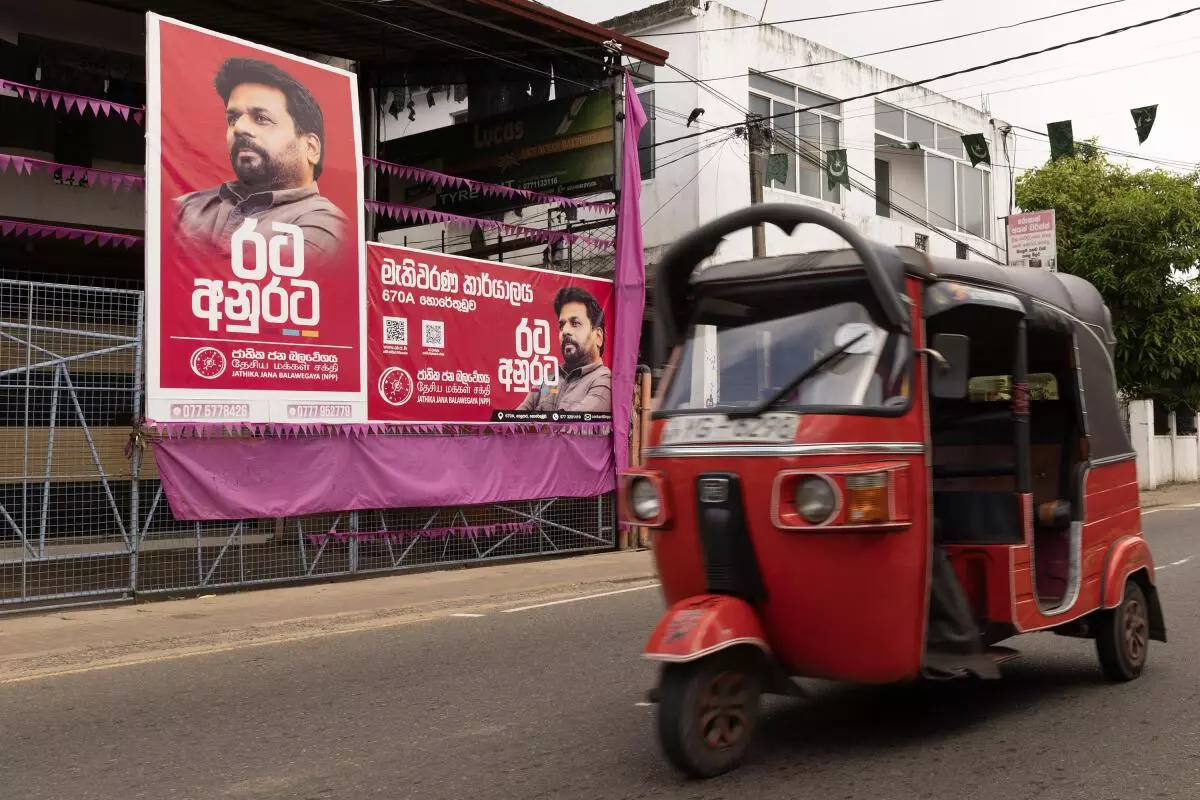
{"x":255,"y":255}
{"x":458,"y":340}
{"x":1032,"y":241}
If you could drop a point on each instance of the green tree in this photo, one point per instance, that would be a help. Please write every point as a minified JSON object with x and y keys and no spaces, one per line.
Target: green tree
{"x":1136,"y":237}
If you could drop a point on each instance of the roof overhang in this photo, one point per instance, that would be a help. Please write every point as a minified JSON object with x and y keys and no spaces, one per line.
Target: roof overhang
{"x":411,"y":34}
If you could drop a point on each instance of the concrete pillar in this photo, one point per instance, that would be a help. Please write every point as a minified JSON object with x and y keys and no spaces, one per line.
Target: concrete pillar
{"x":1141,"y":431}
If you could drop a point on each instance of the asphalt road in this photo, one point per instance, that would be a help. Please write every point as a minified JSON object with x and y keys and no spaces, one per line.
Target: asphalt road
{"x":544,"y":703}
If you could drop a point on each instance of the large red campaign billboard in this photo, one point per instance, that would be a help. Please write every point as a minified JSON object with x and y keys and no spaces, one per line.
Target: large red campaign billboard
{"x":255,"y":259}
{"x":458,"y":340}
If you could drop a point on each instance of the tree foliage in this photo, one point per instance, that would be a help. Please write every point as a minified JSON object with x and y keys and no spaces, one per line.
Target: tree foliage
{"x":1136,"y":237}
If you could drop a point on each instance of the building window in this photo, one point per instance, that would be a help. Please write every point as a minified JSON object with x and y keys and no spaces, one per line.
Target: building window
{"x":643,"y":81}
{"x":804,"y":126}
{"x":883,"y":188}
{"x":936,"y":183}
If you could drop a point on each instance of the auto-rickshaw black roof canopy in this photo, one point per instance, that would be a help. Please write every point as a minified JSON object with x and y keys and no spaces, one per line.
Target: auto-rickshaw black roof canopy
{"x":1054,"y":300}
{"x":1062,"y":293}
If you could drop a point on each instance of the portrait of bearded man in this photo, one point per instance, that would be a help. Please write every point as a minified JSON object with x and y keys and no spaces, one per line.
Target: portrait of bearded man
{"x":584,"y":382}
{"x":275,"y":138}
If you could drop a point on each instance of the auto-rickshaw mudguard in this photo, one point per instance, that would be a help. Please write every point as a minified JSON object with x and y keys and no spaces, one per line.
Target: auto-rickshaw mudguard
{"x":702,"y":625}
{"x":1130,"y":556}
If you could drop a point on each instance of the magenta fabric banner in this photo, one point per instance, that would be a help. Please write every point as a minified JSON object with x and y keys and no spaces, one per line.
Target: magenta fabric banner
{"x":629,"y":278}
{"x":231,"y":479}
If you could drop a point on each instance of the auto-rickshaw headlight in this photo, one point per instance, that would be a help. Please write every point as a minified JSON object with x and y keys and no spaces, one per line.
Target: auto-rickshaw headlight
{"x":815,"y":500}
{"x":644,"y":499}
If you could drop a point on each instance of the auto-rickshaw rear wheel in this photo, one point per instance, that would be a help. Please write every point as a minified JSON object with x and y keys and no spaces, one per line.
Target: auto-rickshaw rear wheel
{"x":1123,"y":635}
{"x":709,"y":711}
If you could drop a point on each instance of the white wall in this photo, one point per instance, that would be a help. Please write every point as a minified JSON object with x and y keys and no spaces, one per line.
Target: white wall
{"x":426,"y":118}
{"x":723,"y":186}
{"x":1161,"y":460}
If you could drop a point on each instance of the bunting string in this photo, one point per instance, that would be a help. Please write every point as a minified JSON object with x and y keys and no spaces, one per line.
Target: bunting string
{"x":10,"y":227}
{"x":24,"y":165}
{"x":68,"y":101}
{"x":152,"y":431}
{"x":469,"y":532}
{"x":428,"y":216}
{"x":444,"y":181}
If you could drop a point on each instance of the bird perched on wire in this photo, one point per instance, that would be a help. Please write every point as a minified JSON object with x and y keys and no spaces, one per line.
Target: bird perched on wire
{"x":695,"y":115}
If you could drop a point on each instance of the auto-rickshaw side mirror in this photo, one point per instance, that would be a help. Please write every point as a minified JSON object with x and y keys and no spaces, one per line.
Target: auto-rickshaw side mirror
{"x":951,"y":373}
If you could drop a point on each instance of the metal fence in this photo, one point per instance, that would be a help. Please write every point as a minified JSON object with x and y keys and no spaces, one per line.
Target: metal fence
{"x":83,"y":516}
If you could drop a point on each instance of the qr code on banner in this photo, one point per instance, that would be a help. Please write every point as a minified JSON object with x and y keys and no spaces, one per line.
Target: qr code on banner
{"x":395,"y":330}
{"x":433,"y":334}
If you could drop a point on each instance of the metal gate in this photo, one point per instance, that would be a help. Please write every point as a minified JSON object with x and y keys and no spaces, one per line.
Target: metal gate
{"x":83,"y":516}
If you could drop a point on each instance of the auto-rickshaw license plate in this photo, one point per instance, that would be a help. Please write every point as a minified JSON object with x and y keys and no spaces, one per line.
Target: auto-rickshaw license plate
{"x":773,"y":428}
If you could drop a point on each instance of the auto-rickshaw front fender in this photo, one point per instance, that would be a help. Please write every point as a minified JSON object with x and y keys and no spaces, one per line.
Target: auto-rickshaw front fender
{"x":702,"y":625}
{"x":1130,"y":557}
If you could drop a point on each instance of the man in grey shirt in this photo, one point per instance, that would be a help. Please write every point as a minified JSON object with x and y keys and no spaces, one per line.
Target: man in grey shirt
{"x":275,"y":133}
{"x":584,"y":383}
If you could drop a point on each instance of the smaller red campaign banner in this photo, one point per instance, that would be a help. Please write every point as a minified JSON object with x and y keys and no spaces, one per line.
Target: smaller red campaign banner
{"x":458,"y":340}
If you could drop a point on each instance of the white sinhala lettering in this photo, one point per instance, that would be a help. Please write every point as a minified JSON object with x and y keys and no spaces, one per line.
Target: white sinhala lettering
{"x":238,"y":306}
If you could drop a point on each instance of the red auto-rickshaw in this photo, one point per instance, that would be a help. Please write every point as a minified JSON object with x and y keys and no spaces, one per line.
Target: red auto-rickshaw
{"x":872,"y":466}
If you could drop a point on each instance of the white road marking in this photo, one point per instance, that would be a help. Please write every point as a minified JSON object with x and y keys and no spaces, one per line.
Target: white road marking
{"x":472,"y":616}
{"x":644,"y":705}
{"x":1178,"y":563}
{"x":578,"y":599}
{"x":1189,"y":507}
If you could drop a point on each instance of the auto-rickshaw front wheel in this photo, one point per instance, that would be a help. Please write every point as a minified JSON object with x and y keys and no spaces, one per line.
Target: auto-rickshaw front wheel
{"x":1123,"y":635}
{"x":708,"y":712}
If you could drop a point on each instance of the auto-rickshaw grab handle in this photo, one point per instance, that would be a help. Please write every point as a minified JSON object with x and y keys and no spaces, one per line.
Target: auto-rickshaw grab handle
{"x":682,"y":258}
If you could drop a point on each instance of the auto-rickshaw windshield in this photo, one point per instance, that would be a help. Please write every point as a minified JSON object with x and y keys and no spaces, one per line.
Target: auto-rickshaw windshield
{"x":738,"y":356}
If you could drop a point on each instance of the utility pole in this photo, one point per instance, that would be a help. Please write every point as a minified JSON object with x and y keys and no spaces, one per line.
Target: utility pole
{"x":758,"y":154}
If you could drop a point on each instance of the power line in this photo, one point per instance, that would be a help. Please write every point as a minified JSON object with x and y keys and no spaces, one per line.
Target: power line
{"x":791,"y":21}
{"x":457,"y":45}
{"x":1123,"y":153}
{"x":946,"y":97}
{"x":686,"y":185}
{"x":901,"y":48}
{"x":793,"y":145}
{"x":953,"y":73}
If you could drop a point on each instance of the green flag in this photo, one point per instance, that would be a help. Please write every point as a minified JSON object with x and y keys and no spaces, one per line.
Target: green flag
{"x":977,"y":149}
{"x":777,"y":168}
{"x":1143,"y":119}
{"x":836,"y":169}
{"x":1062,"y":139}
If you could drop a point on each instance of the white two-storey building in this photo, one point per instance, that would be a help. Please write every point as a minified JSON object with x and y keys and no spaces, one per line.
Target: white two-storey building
{"x":912,"y":180}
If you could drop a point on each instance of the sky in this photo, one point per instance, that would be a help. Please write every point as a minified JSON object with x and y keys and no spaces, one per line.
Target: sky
{"x":1095,"y":84}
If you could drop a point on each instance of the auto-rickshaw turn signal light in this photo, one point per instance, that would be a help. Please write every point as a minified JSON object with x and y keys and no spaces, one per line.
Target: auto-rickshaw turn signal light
{"x":867,"y":498}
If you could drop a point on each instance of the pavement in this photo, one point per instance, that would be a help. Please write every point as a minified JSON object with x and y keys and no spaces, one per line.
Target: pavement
{"x":523,"y":680}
